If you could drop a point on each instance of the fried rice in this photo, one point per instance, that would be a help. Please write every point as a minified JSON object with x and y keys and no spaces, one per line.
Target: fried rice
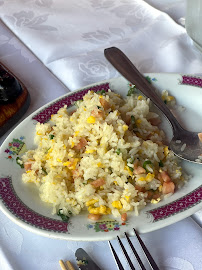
{"x":107,"y":157}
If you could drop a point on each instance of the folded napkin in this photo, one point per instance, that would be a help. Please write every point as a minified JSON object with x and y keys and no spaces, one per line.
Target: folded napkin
{"x":69,"y":37}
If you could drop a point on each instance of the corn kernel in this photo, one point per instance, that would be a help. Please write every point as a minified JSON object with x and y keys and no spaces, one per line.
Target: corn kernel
{"x":128,"y":170}
{"x":71,"y":165}
{"x":139,"y":98}
{"x":89,"y":151}
{"x":91,"y":119}
{"x":99,"y":164}
{"x":91,"y":202}
{"x":102,"y":209}
{"x":72,"y":144}
{"x":169,"y":98}
{"x":93,"y":210}
{"x":115,"y":182}
{"x":117,"y":204}
{"x":38,"y":133}
{"x":127,"y":198}
{"x":155,"y":201}
{"x":138,"y":122}
{"x":67,"y":163}
{"x":149,"y":177}
{"x":141,"y":178}
{"x":166,"y":151}
{"x":59,"y":160}
{"x":76,"y":133}
{"x":125,"y":127}
{"x":160,"y":188}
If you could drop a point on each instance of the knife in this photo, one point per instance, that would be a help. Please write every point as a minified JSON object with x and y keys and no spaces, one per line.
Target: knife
{"x":84,"y":261}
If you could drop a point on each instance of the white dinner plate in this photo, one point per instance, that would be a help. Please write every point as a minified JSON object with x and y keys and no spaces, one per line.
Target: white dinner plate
{"x":21,"y":202}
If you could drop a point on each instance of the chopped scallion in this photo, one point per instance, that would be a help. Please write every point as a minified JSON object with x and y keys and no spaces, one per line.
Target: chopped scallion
{"x":131,"y":90}
{"x":161,"y":164}
{"x":19,"y":162}
{"x":148,"y":79}
{"x":118,"y":151}
{"x":44,"y":171}
{"x":101,"y":92}
{"x":132,"y":119}
{"x":51,"y":136}
{"x":147,"y":162}
{"x":64,"y":218}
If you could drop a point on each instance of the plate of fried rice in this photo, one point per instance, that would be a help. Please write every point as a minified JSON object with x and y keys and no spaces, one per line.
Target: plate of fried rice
{"x":95,"y":163}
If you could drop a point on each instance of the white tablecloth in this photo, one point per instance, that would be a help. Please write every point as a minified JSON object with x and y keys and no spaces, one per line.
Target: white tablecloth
{"x":68,"y":38}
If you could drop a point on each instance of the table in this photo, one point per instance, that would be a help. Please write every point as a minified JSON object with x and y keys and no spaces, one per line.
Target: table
{"x":53,"y":64}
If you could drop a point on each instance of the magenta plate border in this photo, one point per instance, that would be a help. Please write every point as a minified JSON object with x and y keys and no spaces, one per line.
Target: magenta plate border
{"x":190,"y":200}
{"x":45,"y":115}
{"x":13,"y":203}
{"x":190,"y":80}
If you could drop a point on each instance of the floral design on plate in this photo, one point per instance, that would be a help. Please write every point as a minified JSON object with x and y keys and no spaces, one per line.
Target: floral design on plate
{"x":16,"y":147}
{"x":150,"y":80}
{"x":106,"y":225}
{"x":13,"y":203}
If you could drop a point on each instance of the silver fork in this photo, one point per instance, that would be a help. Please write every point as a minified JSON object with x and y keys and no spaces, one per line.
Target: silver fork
{"x":151,"y":261}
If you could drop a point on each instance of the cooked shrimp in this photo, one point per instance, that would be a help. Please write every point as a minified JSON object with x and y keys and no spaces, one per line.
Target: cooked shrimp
{"x":82,"y":143}
{"x":97,"y":113}
{"x":105,"y":104}
{"x":139,"y":170}
{"x":124,"y":217}
{"x":159,"y":143}
{"x":94,"y":216}
{"x":155,"y":121}
{"x":168,"y":187}
{"x":136,"y":164}
{"x":28,"y":166}
{"x":97,"y":183}
{"x":139,"y":188}
{"x":127,"y":119}
{"x":165,"y":177}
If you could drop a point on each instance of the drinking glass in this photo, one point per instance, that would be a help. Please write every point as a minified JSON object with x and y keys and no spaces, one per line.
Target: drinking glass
{"x":193,"y":21}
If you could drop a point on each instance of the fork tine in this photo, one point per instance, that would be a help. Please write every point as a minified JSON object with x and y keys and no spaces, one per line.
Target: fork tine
{"x":118,"y":263}
{"x":135,"y":253}
{"x":146,"y":252}
{"x":126,"y":254}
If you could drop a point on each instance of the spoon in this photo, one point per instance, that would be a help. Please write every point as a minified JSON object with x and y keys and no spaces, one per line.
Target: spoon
{"x":184,"y":144}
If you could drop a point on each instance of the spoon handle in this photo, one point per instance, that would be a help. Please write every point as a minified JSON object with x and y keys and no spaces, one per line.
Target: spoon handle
{"x":121,"y":62}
